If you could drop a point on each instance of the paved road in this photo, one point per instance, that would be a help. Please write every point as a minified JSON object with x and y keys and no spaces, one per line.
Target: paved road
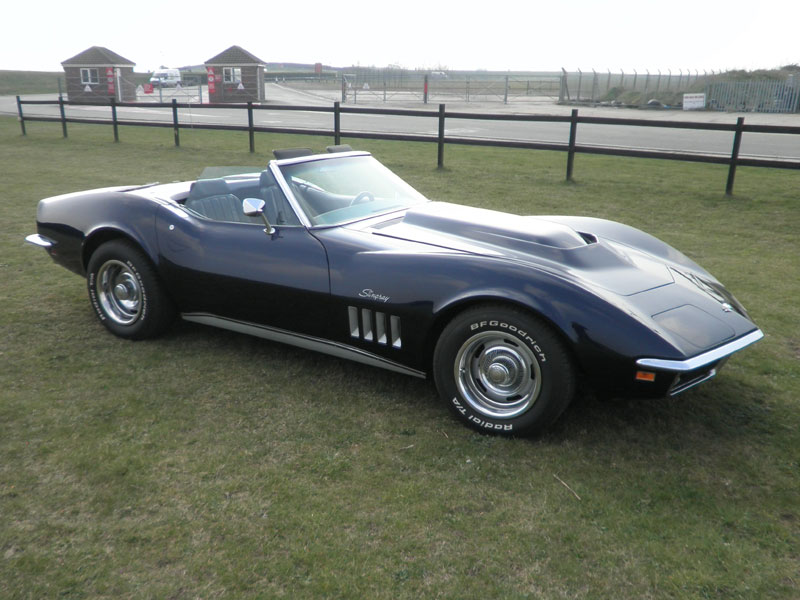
{"x":780,"y":146}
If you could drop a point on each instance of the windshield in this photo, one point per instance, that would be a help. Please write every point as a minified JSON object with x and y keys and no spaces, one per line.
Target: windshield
{"x":339,"y":190}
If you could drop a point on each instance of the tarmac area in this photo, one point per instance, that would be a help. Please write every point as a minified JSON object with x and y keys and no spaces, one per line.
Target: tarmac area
{"x":758,"y":145}
{"x":542,"y":105}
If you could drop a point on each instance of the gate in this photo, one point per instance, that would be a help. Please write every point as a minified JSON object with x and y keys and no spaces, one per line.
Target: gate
{"x":754,"y":96}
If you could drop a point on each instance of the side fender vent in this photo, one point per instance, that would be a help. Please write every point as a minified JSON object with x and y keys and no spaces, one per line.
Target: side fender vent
{"x":373,"y":326}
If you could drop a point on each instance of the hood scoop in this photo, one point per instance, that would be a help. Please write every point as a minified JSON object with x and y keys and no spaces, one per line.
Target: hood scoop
{"x":465,"y":228}
{"x":609,"y":265}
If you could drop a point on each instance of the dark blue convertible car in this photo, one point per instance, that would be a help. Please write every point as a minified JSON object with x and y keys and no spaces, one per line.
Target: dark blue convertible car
{"x":333,"y":252}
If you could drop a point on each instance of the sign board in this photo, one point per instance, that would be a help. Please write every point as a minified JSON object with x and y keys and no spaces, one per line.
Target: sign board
{"x":212,"y":85}
{"x":694,"y":101}
{"x":148,"y":88}
{"x":110,"y":80}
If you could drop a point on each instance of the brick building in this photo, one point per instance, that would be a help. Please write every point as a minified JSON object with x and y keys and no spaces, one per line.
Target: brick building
{"x":235,"y":75}
{"x":97,"y":74}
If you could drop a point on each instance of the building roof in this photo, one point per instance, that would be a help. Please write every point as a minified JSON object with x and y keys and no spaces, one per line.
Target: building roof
{"x":235,"y":55}
{"x":97,"y":56}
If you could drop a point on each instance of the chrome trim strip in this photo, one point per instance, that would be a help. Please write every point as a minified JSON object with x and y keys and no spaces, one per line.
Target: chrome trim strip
{"x":287,"y":191}
{"x":380,"y":328}
{"x":40,"y":241}
{"x":690,"y":384}
{"x":274,"y":166}
{"x":700,"y":360}
{"x":366,"y":324}
{"x":315,"y":157}
{"x":352,"y":315}
{"x":302,"y":341}
{"x":395,"y":327}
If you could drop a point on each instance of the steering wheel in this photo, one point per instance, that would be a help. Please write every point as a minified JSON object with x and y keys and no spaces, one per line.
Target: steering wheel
{"x":362,"y":197}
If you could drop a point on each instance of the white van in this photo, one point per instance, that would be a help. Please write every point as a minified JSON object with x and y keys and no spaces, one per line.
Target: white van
{"x":166,"y":77}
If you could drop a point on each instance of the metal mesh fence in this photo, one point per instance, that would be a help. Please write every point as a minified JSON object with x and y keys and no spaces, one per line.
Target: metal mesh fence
{"x":185,"y":91}
{"x":755,"y":96}
{"x":594,"y":86}
{"x":366,"y":85}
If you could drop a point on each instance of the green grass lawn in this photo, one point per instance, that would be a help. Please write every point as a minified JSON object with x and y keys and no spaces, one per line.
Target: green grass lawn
{"x":206,"y":464}
{"x":16,"y":83}
{"x":22,"y":83}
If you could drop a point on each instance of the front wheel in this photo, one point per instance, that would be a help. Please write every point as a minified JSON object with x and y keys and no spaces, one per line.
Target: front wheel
{"x":503,"y":370}
{"x":126,"y":293}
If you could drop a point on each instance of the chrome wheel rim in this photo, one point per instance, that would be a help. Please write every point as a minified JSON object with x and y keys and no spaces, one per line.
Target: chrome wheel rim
{"x":497,"y":375}
{"x":119,"y":292}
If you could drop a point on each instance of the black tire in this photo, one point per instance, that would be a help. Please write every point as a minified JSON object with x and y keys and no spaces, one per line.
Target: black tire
{"x":125,"y":292}
{"x":503,"y":370}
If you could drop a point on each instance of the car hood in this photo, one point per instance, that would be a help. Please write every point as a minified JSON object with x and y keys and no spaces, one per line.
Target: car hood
{"x":632,"y":270}
{"x":547,"y":242}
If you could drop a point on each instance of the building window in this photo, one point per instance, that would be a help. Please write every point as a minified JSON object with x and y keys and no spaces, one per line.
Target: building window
{"x":89,"y":76}
{"x":232,"y":75}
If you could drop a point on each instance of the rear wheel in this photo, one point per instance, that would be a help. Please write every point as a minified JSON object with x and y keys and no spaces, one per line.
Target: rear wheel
{"x":503,"y":370}
{"x":126,"y":293}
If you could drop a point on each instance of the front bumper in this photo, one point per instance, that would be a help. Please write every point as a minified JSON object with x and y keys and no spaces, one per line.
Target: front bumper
{"x":39,"y":240}
{"x":694,"y":371}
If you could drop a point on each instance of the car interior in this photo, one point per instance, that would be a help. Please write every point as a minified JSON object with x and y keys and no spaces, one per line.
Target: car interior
{"x":221,"y":199}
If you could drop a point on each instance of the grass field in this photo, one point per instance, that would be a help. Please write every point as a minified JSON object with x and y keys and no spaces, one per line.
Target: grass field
{"x":16,"y":83}
{"x":22,"y":83}
{"x":206,"y":464}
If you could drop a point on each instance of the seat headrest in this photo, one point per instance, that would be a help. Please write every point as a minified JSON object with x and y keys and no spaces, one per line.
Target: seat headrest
{"x":203,"y":188}
{"x":339,"y":148}
{"x":292,"y":153}
{"x":266,"y":179}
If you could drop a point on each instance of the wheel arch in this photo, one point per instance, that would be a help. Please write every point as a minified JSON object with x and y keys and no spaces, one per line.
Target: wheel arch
{"x":125,"y":288}
{"x":446,"y":313}
{"x":101,"y":235}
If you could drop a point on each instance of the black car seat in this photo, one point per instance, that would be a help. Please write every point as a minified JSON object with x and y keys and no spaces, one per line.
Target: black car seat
{"x":213,"y":199}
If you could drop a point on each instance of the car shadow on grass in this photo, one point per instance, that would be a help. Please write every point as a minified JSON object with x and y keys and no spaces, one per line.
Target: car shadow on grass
{"x":725,"y":408}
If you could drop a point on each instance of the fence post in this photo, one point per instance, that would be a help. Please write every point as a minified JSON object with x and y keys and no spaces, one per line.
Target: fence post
{"x":737,"y":142}
{"x":251,"y":134}
{"x":21,"y":116}
{"x":337,"y":123}
{"x":113,"y":102}
{"x":573,"y":131}
{"x":63,"y":116}
{"x":425,"y":91}
{"x":175,"y":127}
{"x":440,"y":157}
{"x":505,"y":96}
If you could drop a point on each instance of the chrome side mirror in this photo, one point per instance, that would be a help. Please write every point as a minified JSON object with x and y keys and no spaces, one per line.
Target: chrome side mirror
{"x":254,"y":207}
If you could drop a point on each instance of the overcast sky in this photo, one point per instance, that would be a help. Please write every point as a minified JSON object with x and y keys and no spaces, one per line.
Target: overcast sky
{"x":531,"y":35}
